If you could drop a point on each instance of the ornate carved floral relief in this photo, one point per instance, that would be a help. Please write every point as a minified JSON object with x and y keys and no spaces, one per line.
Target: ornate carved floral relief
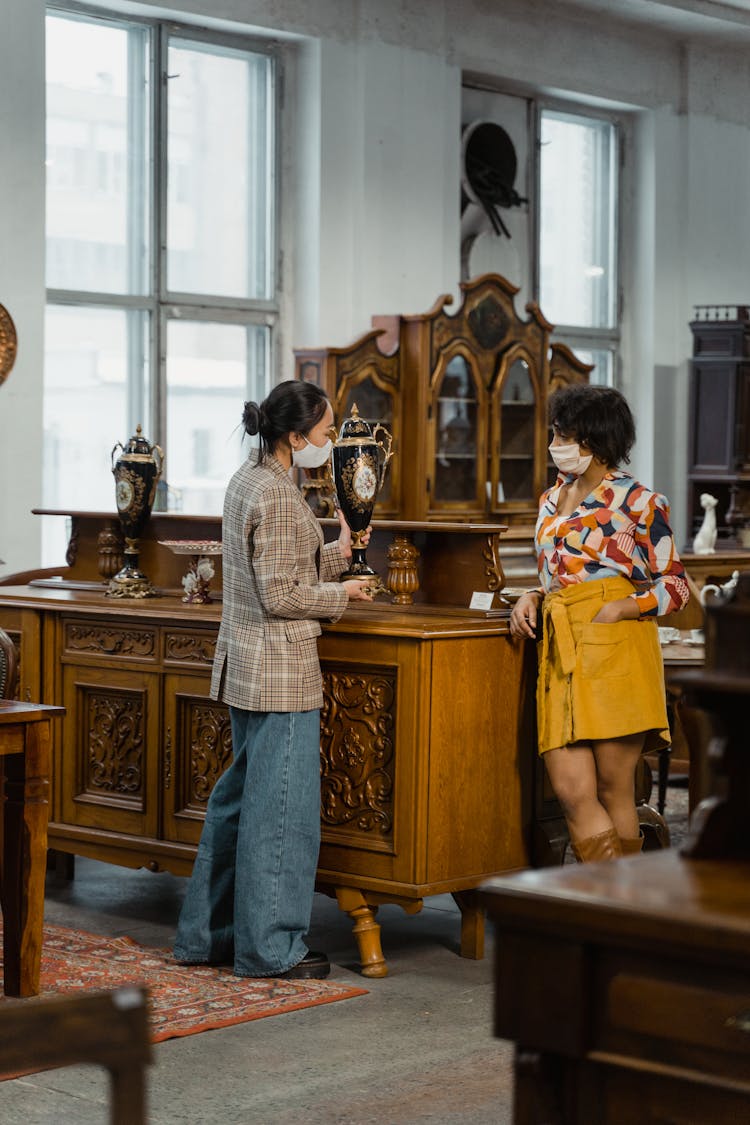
{"x":210,"y":735}
{"x":357,"y":753}
{"x":110,"y":640}
{"x":115,"y":727}
{"x":190,"y":648}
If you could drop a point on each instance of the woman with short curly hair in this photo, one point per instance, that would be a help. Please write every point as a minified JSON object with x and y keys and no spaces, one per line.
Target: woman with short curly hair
{"x":608,"y":566}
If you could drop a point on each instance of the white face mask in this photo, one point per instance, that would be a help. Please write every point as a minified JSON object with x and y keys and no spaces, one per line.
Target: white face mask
{"x":311,"y":456}
{"x":569,"y":458}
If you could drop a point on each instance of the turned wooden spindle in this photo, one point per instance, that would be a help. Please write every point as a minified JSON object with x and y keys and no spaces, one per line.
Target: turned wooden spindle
{"x":403,"y":578}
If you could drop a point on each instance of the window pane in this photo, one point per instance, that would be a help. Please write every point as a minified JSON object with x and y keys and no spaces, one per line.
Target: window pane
{"x":577,"y":221}
{"x":603,"y":360}
{"x":219,"y":217}
{"x":211,"y":370}
{"x":87,"y":409}
{"x":97,"y":200}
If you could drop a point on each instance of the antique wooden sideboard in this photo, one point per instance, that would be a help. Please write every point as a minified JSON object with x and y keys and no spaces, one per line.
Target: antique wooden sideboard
{"x":427,"y":762}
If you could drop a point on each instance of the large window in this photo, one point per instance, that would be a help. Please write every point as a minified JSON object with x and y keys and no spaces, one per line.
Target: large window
{"x":161,"y":251}
{"x":578,"y":287}
{"x":560,"y":238}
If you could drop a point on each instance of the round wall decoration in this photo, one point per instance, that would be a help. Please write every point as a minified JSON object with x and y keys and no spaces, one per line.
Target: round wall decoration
{"x":8,"y":344}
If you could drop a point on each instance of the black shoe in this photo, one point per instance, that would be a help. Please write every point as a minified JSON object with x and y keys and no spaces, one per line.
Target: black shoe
{"x":313,"y":966}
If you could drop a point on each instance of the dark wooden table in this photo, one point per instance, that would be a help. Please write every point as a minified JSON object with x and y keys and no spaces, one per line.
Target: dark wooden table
{"x":24,"y":756}
{"x":626,"y":988}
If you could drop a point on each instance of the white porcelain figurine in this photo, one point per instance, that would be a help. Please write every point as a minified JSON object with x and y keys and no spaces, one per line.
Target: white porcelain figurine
{"x":722,"y":591}
{"x":705,"y":540}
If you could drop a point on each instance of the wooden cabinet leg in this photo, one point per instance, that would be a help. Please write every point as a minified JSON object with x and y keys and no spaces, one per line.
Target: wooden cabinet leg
{"x":26,"y":786}
{"x":366,"y":930}
{"x":62,"y":865}
{"x":472,"y":924}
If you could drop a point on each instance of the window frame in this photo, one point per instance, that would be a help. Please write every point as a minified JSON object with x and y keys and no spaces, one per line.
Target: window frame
{"x":577,"y":337}
{"x":148,"y":405}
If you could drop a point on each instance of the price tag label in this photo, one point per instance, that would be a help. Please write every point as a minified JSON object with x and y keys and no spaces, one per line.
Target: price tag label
{"x":481,"y":599}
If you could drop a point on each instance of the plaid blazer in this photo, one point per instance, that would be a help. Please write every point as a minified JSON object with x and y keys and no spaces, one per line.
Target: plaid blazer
{"x":278,"y":584}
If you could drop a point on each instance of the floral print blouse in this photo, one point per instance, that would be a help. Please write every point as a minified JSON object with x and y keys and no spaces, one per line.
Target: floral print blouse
{"x":621,"y":528}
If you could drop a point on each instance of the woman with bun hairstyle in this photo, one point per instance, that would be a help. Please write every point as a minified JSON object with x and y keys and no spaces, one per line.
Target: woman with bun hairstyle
{"x":249,"y":899}
{"x":608,"y":566}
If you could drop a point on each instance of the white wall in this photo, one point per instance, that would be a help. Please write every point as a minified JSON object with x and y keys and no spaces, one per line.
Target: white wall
{"x":370,"y":212}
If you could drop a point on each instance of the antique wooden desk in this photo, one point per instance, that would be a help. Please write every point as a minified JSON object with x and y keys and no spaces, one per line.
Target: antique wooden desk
{"x":24,"y":755}
{"x":626,"y":986}
{"x":427,"y":762}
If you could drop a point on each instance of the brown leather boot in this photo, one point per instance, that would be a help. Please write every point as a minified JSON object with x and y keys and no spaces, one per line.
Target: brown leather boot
{"x":606,"y":845}
{"x":632,"y":845}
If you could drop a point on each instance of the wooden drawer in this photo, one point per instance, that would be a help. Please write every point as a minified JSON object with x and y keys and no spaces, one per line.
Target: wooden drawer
{"x":99,"y":641}
{"x":625,"y":1097}
{"x":696,"y":1017}
{"x":189,"y":648}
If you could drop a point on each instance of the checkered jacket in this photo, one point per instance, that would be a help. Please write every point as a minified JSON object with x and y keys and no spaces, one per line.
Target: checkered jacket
{"x":277,"y":587}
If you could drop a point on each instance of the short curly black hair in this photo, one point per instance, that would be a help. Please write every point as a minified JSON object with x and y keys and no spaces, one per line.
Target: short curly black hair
{"x":598,"y":417}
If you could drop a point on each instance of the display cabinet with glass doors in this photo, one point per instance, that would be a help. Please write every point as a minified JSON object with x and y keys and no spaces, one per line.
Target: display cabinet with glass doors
{"x":465,"y":396}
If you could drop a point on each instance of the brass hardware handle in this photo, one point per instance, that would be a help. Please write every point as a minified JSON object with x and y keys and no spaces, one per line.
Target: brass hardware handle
{"x":739,"y":1022}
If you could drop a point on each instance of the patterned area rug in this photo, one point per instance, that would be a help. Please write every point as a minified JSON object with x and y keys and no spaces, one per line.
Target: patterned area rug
{"x":183,"y":1000}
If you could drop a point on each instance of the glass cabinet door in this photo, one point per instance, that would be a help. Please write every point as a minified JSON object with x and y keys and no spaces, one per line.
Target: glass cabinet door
{"x":516,"y":438}
{"x":457,"y":449}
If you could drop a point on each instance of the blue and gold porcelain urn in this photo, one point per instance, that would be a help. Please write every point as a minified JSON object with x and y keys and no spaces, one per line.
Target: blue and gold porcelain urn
{"x":360,"y":459}
{"x":136,"y":471}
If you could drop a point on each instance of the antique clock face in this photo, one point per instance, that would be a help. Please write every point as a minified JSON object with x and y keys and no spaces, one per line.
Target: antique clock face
{"x":364,"y":482}
{"x":124,"y":494}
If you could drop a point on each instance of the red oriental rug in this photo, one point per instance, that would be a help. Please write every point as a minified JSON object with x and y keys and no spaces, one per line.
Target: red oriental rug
{"x":183,"y":1000}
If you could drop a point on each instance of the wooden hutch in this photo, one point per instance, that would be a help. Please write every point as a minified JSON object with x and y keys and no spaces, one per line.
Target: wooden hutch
{"x":465,"y":397}
{"x":719,"y":426}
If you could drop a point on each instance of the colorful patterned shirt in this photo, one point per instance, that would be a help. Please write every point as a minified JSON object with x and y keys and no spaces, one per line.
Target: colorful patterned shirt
{"x":621,"y":528}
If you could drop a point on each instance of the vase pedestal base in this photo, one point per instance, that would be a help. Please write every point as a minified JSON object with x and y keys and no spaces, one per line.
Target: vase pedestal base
{"x":130,"y":583}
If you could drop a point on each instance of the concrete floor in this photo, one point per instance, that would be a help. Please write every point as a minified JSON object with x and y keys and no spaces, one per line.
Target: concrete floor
{"x":417,"y":1048}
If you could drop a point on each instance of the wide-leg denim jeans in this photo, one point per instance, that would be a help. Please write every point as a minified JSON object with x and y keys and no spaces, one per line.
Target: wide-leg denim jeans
{"x":249,"y":898}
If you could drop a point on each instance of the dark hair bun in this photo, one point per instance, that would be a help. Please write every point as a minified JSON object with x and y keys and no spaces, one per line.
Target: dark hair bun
{"x":251,"y":418}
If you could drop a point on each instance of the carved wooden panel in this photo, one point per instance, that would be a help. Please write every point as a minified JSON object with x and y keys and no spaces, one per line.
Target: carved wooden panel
{"x":357,"y":752}
{"x":113,"y":728}
{"x":110,"y":640}
{"x":17,"y":637}
{"x":189,"y":648}
{"x":204,"y":747}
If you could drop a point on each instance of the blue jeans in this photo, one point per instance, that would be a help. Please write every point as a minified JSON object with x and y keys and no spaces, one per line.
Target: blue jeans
{"x":249,"y":898}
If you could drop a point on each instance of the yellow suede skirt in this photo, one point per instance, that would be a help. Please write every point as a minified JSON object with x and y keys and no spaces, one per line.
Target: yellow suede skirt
{"x":597,"y":680}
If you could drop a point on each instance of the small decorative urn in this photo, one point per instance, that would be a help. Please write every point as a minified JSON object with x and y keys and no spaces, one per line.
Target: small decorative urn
{"x":360,"y":461}
{"x":136,"y":471}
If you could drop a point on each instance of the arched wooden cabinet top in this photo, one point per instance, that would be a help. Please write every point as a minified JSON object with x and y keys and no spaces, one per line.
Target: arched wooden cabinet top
{"x":464,"y":394}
